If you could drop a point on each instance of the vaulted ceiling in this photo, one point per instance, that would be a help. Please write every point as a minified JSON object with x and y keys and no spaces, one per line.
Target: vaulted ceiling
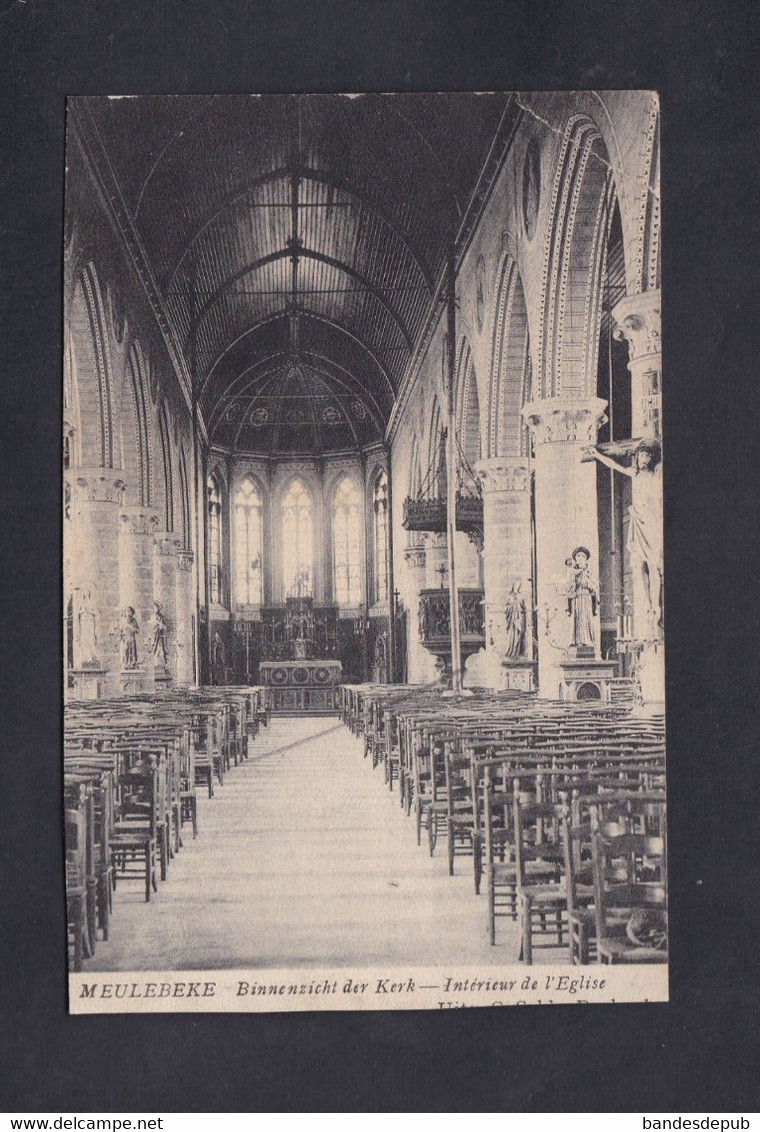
{"x":296,"y":243}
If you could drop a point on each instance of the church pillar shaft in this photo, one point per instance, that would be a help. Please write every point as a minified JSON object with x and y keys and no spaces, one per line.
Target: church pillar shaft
{"x":467,"y":561}
{"x":506,"y":555}
{"x":165,"y":548}
{"x":95,"y":567}
{"x":637,"y":321}
{"x":421,"y":664}
{"x":136,"y":529}
{"x":436,"y":562}
{"x":566,"y":519}
{"x":184,"y":614}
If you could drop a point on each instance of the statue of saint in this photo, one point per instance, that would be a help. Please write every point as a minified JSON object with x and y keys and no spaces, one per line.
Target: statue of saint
{"x":582,"y":598}
{"x":128,"y":638}
{"x":645,"y":529}
{"x":159,"y":634}
{"x":516,"y":618}
{"x":423,"y":619}
{"x":87,"y":641}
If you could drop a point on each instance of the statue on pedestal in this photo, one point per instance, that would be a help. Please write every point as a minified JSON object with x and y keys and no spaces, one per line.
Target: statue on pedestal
{"x":87,"y":642}
{"x":128,"y":638}
{"x":582,"y":599}
{"x":158,"y":644}
{"x":516,"y":619}
{"x":645,"y":529}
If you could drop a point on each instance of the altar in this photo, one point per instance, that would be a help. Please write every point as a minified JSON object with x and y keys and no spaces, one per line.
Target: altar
{"x":302,"y":686}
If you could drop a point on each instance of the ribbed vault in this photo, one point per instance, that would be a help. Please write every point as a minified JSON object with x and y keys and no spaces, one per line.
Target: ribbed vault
{"x":336,"y":212}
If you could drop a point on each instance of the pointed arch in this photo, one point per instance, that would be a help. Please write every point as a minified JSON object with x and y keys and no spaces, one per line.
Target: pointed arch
{"x":91,"y":371}
{"x":248,"y":511}
{"x":434,"y":481}
{"x":184,"y":496}
{"x":582,"y":199}
{"x":215,"y":512}
{"x":347,"y":515}
{"x":135,"y":430}
{"x":297,"y":515}
{"x":166,"y":455}
{"x":510,"y":377}
{"x":467,"y":406}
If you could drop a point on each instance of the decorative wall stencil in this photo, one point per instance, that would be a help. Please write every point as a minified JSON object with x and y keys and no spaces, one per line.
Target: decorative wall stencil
{"x":359,"y":410}
{"x":531,"y":187}
{"x":331,"y":415}
{"x":480,"y":291}
{"x":259,"y":418}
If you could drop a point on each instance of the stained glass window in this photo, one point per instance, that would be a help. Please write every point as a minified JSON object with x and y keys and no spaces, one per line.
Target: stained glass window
{"x":214,"y":539}
{"x":348,"y":532}
{"x":381,"y":537}
{"x":248,"y":544}
{"x":297,"y":541}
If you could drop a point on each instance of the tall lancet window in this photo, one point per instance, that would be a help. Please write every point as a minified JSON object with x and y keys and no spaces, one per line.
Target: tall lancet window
{"x":381,"y":537}
{"x":248,"y":544}
{"x":297,"y":541}
{"x":214,"y":540}
{"x":348,"y":530}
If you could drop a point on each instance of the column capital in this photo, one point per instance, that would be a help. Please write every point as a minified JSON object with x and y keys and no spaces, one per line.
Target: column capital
{"x":166,"y":543}
{"x":434,"y":540}
{"x":554,"y":420}
{"x":99,"y":485}
{"x":503,"y":474}
{"x":138,"y":520}
{"x":185,"y":559}
{"x":415,"y":556}
{"x":637,"y":320}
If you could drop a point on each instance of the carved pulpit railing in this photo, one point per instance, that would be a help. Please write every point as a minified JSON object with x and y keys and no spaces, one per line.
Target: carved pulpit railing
{"x":430,"y":515}
{"x":435,"y":623}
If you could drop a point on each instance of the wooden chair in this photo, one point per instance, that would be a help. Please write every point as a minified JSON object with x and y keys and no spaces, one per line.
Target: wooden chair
{"x":134,"y":834}
{"x":541,"y":896}
{"x":630,"y":894}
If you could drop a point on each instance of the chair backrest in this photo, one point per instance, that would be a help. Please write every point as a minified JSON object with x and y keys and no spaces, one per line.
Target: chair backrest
{"x":630,"y":871}
{"x":537,"y":834}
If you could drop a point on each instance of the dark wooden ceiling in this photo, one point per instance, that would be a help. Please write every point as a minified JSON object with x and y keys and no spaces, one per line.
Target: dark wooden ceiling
{"x":330,"y":214}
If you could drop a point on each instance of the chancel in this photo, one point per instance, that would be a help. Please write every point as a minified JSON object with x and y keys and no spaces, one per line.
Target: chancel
{"x":363,"y":506}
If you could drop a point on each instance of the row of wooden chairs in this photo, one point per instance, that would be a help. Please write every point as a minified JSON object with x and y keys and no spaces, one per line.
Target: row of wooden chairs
{"x":513,"y":782}
{"x":131,"y":771}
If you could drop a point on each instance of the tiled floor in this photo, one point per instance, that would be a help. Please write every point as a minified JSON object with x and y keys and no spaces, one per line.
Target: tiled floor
{"x":304,"y":858}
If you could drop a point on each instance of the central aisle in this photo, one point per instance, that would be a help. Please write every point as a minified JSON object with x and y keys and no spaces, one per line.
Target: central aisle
{"x":304,"y":858}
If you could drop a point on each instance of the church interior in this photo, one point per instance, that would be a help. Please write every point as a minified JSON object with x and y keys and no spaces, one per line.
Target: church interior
{"x":362,"y":511}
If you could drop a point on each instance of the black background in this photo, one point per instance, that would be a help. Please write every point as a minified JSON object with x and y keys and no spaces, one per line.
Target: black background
{"x":699,"y":1052}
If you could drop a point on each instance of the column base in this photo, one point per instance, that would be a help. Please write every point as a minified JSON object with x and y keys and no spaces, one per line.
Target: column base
{"x":87,"y":683}
{"x":585,"y":680}
{"x":650,"y":671}
{"x":162,"y":677}
{"x":134,"y":681}
{"x":518,"y":674}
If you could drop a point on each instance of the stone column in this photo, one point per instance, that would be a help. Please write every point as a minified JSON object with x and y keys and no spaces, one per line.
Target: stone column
{"x":166,"y":545}
{"x":637,"y":319}
{"x":421,"y":663}
{"x":137,"y":526}
{"x":506,"y":554}
{"x":566,"y":518}
{"x":467,"y":559}
{"x":436,"y":562}
{"x":94,"y":555}
{"x":184,"y":608}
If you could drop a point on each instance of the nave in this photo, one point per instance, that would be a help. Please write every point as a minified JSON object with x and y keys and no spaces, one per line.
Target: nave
{"x":362,"y":410}
{"x":303,"y":859}
{"x":301,"y":856}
